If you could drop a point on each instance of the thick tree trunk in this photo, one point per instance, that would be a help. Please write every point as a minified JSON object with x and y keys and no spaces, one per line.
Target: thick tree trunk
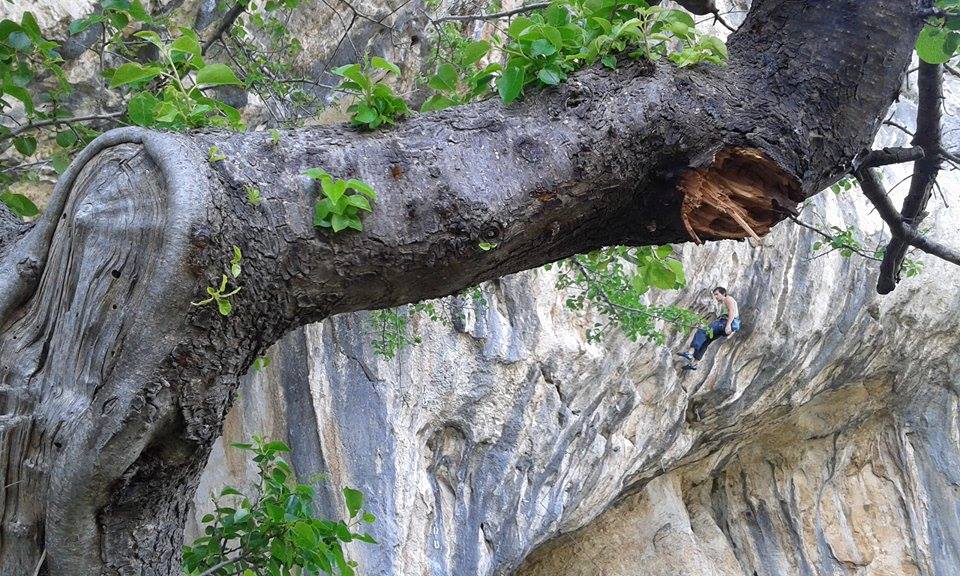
{"x":114,"y":387}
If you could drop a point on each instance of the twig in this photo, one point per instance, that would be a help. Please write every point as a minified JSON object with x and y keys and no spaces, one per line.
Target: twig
{"x":887,"y":156}
{"x":212,"y":570}
{"x":43,"y":556}
{"x":718,"y":18}
{"x":897,"y":125}
{"x":59,"y":121}
{"x":901,"y":230}
{"x":496,"y":16}
{"x":829,"y":237}
{"x":228,"y":19}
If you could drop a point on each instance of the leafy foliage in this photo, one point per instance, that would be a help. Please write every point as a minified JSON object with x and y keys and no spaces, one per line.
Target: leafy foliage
{"x":615,"y":281}
{"x":842,"y":239}
{"x":219,"y":294}
{"x":391,"y":327}
{"x":377,"y":104}
{"x":342,"y":201}
{"x":273,"y":531}
{"x":177,"y":101}
{"x":25,"y":55}
{"x":940,"y":38}
{"x":159,"y":76}
{"x":545,"y":46}
{"x":844,"y":184}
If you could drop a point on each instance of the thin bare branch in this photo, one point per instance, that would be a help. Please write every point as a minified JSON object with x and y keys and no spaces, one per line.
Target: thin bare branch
{"x":59,"y":122}
{"x":827,"y":236}
{"x":225,"y":23}
{"x":887,"y":156}
{"x":496,"y":16}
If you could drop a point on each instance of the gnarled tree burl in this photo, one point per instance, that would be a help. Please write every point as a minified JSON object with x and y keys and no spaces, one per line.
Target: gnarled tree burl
{"x":114,"y":387}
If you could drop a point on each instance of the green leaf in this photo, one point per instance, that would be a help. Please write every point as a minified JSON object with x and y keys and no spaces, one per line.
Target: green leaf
{"x":542,"y":47}
{"x":510,"y":83}
{"x":253,"y":195}
{"x":19,"y":41}
{"x":224,"y":306}
{"x":115,"y":4}
{"x":321,"y":213}
{"x":445,"y":80}
{"x":132,"y":72}
{"x":339,"y":222}
{"x":359,"y":201}
{"x":518,"y":26}
{"x":29,"y":24}
{"x":217,"y":75}
{"x":365,"y":114}
{"x":25,"y":145}
{"x":333,"y":189}
{"x":78,"y":26}
{"x":553,"y":35}
{"x":316,"y":173}
{"x":610,"y":61}
{"x":353,"y":72}
{"x":473,"y":52}
{"x":660,"y":276}
{"x":354,"y":500}
{"x":60,"y":162}
{"x":67,"y":138}
{"x":20,"y":94}
{"x":19,"y":204}
{"x":931,"y":45}
{"x":437,"y":102}
{"x":369,"y":518}
{"x":378,"y":62}
{"x":139,"y":12}
{"x":141,"y":109}
{"x":549,"y":76}
{"x":187,"y":43}
{"x":304,"y":536}
{"x":277,"y":446}
{"x":677,"y":267}
{"x":354,"y":222}
{"x":150,"y":36}
{"x":362,"y":187}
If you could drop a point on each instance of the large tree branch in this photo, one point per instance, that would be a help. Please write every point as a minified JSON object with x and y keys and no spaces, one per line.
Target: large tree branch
{"x":925,"y":169}
{"x":904,"y":233}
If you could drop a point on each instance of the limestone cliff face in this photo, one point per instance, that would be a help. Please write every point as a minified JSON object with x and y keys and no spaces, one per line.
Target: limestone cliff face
{"x":822,"y":439}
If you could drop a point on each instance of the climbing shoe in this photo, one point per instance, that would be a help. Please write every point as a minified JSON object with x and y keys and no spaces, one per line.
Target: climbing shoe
{"x":685,"y":355}
{"x":689,"y":367}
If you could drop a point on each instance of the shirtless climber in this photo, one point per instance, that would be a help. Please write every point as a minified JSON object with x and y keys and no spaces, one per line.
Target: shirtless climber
{"x":727,"y":323}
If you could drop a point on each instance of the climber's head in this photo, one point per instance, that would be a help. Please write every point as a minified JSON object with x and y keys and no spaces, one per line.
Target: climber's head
{"x":719,"y":293}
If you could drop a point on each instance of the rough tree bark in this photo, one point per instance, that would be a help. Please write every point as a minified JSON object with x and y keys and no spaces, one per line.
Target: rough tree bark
{"x":114,"y":387}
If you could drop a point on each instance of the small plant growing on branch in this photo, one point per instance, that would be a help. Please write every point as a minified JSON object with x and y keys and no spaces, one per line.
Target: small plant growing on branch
{"x":342,"y":201}
{"x":376,"y":104}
